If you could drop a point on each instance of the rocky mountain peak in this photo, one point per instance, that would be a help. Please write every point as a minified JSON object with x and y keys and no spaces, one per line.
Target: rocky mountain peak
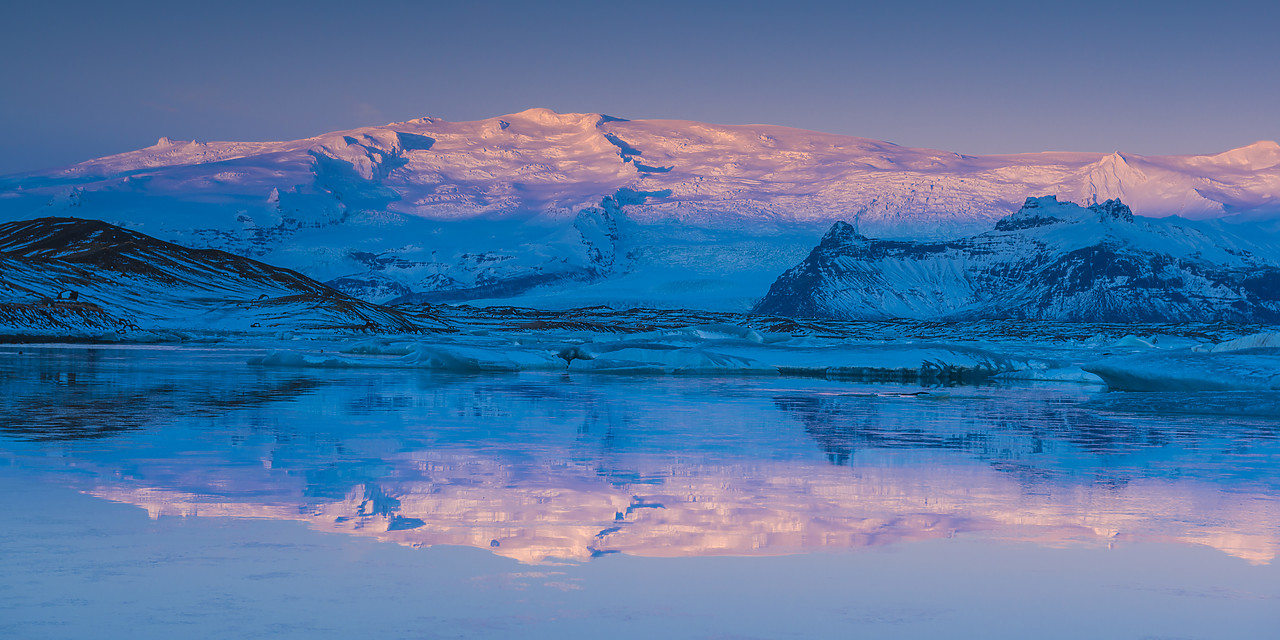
{"x":1112,"y":209}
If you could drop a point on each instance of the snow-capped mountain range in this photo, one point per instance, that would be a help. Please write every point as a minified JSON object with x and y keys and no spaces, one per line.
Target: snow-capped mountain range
{"x":562,"y":210}
{"x":1049,"y":261}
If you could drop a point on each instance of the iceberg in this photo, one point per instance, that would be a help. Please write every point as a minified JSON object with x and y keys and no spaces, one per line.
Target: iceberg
{"x":1268,"y":340}
{"x":1250,"y":362}
{"x":1191,"y":371}
{"x":706,"y":349}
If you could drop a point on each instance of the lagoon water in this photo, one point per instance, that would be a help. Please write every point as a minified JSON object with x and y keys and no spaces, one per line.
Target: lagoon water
{"x":180,"y":492}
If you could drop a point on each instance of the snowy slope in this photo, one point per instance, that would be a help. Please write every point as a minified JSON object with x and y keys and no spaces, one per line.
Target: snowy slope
{"x":1052,"y":261}
{"x":567,"y":209}
{"x":68,"y":277}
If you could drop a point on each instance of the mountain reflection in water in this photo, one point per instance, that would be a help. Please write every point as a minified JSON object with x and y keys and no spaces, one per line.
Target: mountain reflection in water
{"x":540,"y":467}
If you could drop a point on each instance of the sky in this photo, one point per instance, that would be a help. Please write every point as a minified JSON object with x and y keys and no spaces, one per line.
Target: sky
{"x":86,"y":79}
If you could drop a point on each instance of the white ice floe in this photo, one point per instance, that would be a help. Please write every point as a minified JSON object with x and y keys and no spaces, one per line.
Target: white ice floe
{"x":1133,"y":341}
{"x":380,"y":347}
{"x":455,"y":357}
{"x":438,"y":357}
{"x":1155,"y":362}
{"x":1191,"y":371}
{"x":1267,"y":340}
{"x":718,"y":349}
{"x":1050,"y":374}
{"x":1249,"y":362}
{"x":281,"y":358}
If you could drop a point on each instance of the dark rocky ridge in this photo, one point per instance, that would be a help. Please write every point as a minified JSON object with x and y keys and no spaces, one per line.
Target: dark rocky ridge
{"x":67,"y":276}
{"x":1049,"y":261}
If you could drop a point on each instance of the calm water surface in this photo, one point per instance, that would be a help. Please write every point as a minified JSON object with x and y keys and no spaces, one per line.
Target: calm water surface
{"x":160,"y":492}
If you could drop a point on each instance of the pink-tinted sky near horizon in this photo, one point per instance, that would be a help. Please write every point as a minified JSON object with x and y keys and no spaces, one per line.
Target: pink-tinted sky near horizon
{"x":89,"y":79}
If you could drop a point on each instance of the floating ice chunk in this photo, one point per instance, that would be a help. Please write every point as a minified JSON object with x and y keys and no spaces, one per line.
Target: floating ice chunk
{"x":924,"y":362}
{"x":670,"y":359}
{"x":1051,"y":374}
{"x":719,"y":332}
{"x":1190,"y":371}
{"x":1133,"y":341}
{"x":899,"y":362}
{"x":297,"y":359}
{"x":1254,"y":341}
{"x":380,"y":347}
{"x":718,"y":349}
{"x":439,"y":357}
{"x":473,"y":358}
{"x":1170,"y":341}
{"x":594,"y":350}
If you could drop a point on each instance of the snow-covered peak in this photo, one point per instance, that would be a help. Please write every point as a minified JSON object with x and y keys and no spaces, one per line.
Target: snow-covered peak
{"x":1112,"y":210}
{"x":1051,"y":260}
{"x":1045,"y":210}
{"x":547,"y":117}
{"x":842,"y":234}
{"x":1037,"y":211}
{"x":490,"y":208}
{"x":1262,"y":154}
{"x":539,"y":160}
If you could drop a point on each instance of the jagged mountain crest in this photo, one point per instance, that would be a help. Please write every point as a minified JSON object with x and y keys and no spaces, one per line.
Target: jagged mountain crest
{"x":1050,"y":260}
{"x":540,"y":160}
{"x":523,"y":191}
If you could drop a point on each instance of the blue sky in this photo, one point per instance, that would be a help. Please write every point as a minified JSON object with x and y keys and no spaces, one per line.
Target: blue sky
{"x":89,"y":79}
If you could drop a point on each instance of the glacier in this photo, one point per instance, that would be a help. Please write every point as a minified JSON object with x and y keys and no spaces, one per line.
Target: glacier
{"x":1246,"y":363}
{"x":561,"y":210}
{"x":84,"y":280}
{"x":542,"y":241}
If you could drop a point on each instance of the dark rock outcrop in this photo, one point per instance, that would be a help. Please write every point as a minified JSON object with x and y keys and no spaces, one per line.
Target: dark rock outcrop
{"x":1051,"y":260}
